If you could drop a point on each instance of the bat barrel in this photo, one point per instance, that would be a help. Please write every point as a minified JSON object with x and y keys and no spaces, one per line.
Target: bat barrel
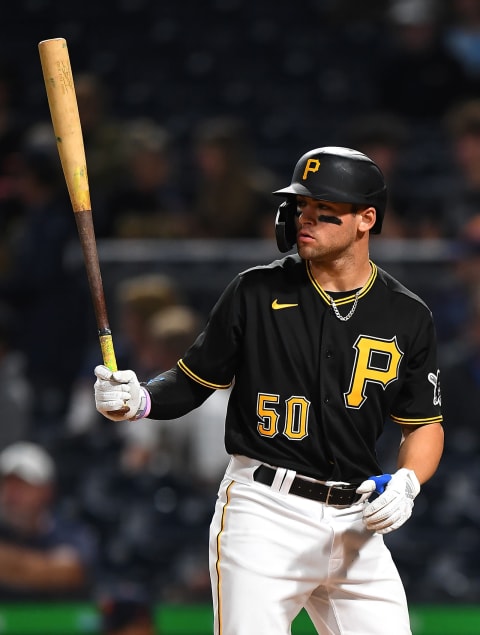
{"x":62,"y":101}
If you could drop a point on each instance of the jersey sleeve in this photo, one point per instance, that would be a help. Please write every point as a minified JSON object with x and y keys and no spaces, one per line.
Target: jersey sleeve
{"x":212,"y":359}
{"x":419,"y":400}
{"x":173,"y":394}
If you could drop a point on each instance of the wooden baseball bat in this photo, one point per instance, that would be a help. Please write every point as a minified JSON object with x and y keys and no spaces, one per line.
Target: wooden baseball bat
{"x":62,"y":101}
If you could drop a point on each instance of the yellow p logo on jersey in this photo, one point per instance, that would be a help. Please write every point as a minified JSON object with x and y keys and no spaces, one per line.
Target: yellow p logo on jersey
{"x":312,"y":165}
{"x":376,"y":361}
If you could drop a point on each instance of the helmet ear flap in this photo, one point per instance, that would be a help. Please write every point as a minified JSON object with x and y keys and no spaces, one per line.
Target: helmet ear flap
{"x":285,"y":229}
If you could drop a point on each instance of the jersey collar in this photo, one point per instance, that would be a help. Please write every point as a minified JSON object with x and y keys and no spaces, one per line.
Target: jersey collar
{"x":350,"y":297}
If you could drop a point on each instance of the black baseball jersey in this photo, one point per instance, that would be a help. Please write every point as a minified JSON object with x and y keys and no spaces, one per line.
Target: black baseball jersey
{"x":311,"y":392}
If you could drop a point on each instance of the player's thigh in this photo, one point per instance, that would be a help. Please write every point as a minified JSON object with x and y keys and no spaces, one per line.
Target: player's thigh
{"x":253,"y":555}
{"x":364,"y":594}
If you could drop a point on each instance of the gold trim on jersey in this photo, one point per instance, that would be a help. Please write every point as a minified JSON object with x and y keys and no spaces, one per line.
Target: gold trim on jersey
{"x":416,"y":422}
{"x":348,"y":298}
{"x":199,"y":380}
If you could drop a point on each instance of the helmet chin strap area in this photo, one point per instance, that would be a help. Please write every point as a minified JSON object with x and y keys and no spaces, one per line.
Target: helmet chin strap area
{"x":285,"y":230}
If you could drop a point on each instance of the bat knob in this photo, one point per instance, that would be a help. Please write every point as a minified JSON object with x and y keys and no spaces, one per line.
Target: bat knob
{"x":122,"y":411}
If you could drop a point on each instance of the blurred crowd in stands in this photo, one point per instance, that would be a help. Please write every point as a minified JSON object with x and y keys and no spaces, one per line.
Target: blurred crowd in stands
{"x":205,"y":122}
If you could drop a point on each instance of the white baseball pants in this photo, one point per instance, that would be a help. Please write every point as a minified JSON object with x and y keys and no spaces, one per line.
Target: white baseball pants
{"x":274,"y":553}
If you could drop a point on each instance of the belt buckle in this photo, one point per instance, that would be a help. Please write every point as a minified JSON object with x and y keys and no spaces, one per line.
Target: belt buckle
{"x":330,"y":487}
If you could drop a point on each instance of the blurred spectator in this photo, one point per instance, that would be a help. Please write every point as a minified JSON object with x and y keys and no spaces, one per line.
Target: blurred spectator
{"x":168,"y":333}
{"x":147,"y":203}
{"x":139,"y":298}
{"x":454,"y":502}
{"x":43,"y":552}
{"x":454,"y":306}
{"x":103,"y":139}
{"x":461,"y":200}
{"x":462,"y":34}
{"x":229,"y":190}
{"x":151,"y":525}
{"x":47,"y":298}
{"x":16,"y":394}
{"x":384,"y":137}
{"x":461,"y":382}
{"x":126,"y":610}
{"x":419,"y":77}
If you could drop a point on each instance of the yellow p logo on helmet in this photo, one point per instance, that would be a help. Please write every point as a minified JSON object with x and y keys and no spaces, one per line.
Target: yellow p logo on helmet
{"x":312,"y":165}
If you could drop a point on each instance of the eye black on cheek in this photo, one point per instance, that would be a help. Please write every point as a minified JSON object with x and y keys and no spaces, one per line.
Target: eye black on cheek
{"x":330,"y":219}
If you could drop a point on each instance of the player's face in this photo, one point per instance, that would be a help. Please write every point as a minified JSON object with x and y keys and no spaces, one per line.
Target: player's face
{"x":324,"y":229}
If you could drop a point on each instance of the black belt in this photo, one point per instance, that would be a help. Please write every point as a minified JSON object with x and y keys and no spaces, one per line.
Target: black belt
{"x":328,"y":494}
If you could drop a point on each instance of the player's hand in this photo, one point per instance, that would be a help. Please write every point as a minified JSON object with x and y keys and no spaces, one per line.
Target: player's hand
{"x":394,"y":506}
{"x":115,"y":390}
{"x":373,"y":484}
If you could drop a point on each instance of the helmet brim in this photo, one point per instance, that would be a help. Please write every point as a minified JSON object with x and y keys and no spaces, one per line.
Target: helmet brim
{"x":292,"y":190}
{"x":297,"y":189}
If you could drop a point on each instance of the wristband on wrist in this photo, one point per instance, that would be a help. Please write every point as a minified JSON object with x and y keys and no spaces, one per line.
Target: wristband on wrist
{"x":145,"y":405}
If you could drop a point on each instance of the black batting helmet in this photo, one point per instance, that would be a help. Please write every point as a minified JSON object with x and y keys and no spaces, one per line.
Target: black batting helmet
{"x":335,"y":174}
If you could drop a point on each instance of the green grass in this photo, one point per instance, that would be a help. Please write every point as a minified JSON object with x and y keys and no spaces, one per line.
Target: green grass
{"x":83,"y":619}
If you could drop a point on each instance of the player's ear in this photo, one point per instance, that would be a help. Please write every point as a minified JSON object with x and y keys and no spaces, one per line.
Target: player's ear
{"x":367,"y":218}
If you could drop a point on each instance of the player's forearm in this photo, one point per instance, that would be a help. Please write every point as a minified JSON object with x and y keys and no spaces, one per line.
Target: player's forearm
{"x":173,"y":394}
{"x":27,"y":568}
{"x":421,"y":450}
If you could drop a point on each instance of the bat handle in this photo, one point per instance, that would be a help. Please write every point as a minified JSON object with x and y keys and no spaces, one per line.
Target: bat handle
{"x":108,"y":354}
{"x":106,"y":346}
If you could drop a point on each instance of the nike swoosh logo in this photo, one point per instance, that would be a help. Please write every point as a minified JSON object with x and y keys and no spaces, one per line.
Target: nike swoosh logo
{"x":276,"y":305}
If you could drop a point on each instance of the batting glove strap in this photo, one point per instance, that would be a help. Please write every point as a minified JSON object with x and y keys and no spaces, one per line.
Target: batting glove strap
{"x":394,"y":507}
{"x":145,"y":405}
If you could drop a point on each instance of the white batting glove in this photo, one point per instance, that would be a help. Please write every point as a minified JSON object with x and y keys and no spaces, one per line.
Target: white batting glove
{"x":394,"y":506}
{"x":117,"y":391}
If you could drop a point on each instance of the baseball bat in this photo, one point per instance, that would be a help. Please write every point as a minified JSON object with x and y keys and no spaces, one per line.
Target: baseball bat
{"x":62,"y":101}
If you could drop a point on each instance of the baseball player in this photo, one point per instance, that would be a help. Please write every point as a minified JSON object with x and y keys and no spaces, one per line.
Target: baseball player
{"x":323,"y":348}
